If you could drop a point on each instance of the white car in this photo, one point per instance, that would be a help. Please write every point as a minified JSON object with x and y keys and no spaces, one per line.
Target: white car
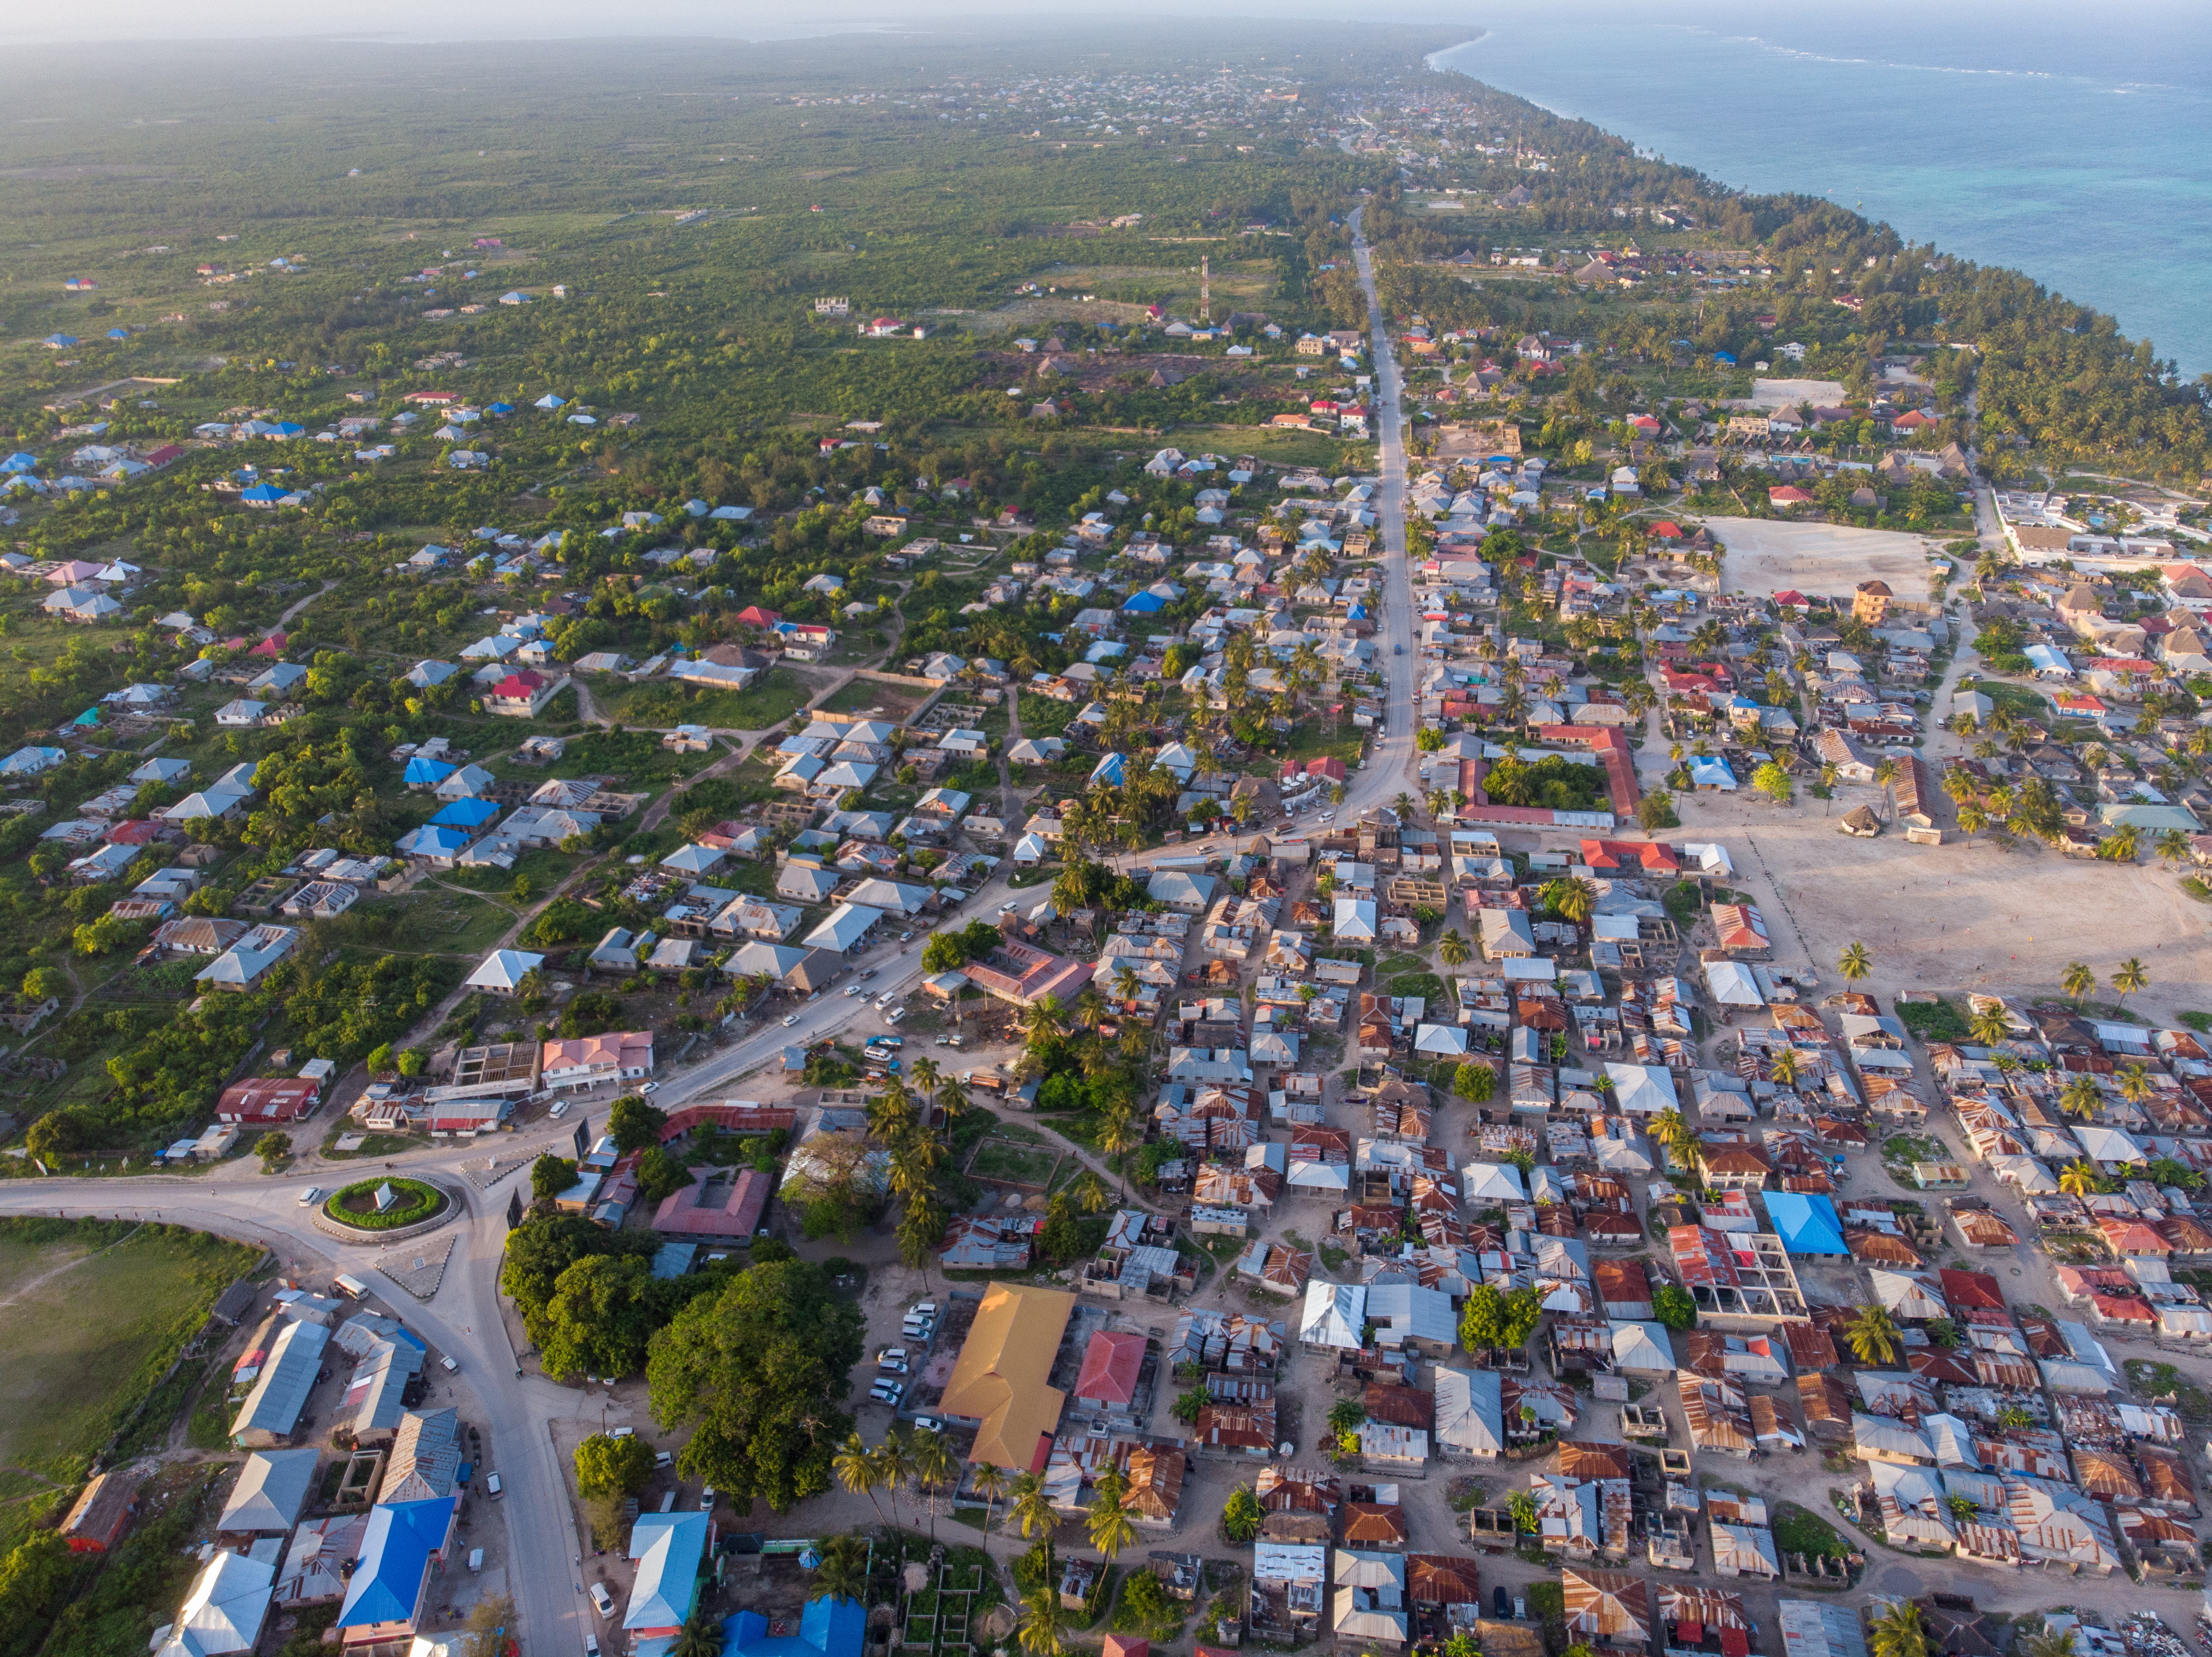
{"x":648,"y":1086}
{"x":310,"y":1196}
{"x":559,"y":1109}
{"x":853,"y":989}
{"x":790,"y":1019}
{"x":602,"y":1599}
{"x":887,"y":998}
{"x":894,"y":1015}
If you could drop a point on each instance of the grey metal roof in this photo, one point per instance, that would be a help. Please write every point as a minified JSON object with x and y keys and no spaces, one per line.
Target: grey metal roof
{"x":272,"y":1490}
{"x":281,"y":1391}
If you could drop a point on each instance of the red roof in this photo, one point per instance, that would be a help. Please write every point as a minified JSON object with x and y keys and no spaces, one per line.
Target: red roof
{"x":134,"y":833}
{"x":271,"y":647}
{"x":1965,"y":1289}
{"x":1110,"y":1364}
{"x":1792,"y":598}
{"x":163,"y":455}
{"x":519,"y":687}
{"x":1665,"y":530}
{"x":753,"y":616}
{"x":1332,"y":768}
{"x":1629,"y":854}
{"x":1787,"y":494}
{"x":278,"y":1099}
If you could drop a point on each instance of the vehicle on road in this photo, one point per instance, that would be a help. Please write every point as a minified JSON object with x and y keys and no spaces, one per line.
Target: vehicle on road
{"x":493,"y":1488}
{"x":648,"y":1086}
{"x":790,"y":1019}
{"x":867,"y":974}
{"x":602,"y":1599}
{"x":450,"y":1365}
{"x":1397,"y":650}
{"x":853,"y":989}
{"x":905,"y":937}
{"x":310,"y":1196}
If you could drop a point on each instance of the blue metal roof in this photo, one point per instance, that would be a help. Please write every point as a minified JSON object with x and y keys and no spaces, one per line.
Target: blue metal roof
{"x":827,"y":1628}
{"x":395,"y":1559}
{"x":420,"y":770}
{"x":1805,"y":1223}
{"x":466,"y":813}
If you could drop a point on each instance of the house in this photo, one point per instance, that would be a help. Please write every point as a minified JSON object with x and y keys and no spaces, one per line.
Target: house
{"x":719,"y":1209}
{"x":1185,"y":890}
{"x":825,"y":1627}
{"x":1112,"y":1364}
{"x":502,"y":970}
{"x":101,"y":1512}
{"x":271,"y":1493}
{"x":587,"y":1060}
{"x":999,"y":1383}
{"x":245,"y":963}
{"x":387,"y":1598}
{"x":1368,"y":1599}
{"x":669,"y":1549}
{"x":267,"y":1101}
{"x":226,"y":1609}
{"x":1609,"y":1609}
{"x":271,"y":1409}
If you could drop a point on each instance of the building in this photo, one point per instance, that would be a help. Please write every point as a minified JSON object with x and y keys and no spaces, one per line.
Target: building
{"x":1870,"y":602}
{"x":385,"y":1598}
{"x":669,"y":1549}
{"x":1814,"y":1627}
{"x":268,"y":1099}
{"x":102,"y":1513}
{"x":720,"y":1208}
{"x":245,"y":963}
{"x":1111,"y":1366}
{"x":587,"y":1060}
{"x":425,"y":1459}
{"x":272,"y":1409}
{"x":225,"y":1609}
{"x":826,"y":1628}
{"x":1000,"y":1384}
{"x":271,"y":1493}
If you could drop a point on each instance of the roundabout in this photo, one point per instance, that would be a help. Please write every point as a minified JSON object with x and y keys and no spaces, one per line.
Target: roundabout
{"x":386,"y":1209}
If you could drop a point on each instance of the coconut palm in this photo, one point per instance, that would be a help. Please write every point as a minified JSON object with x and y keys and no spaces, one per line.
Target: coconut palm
{"x":1111,"y":1526}
{"x":2134,"y":1082}
{"x":2048,"y":1644}
{"x":1872,"y":1335}
{"x":842,"y":1573}
{"x":2080,"y":1098}
{"x":1896,"y":1631}
{"x":701,"y":1633}
{"x":1030,"y":1505}
{"x":2077,"y":981}
{"x":2078,"y":1179}
{"x":2131,"y":976}
{"x":1090,"y":1006}
{"x":1090,"y":1193}
{"x":1041,"y":1621}
{"x":1126,"y":983}
{"x":927,"y":1078}
{"x":1570,"y":898}
{"x":2172,"y":848}
{"x":914,"y":1157}
{"x":1854,"y":963}
{"x":935,"y":1466}
{"x":1671,"y":1130}
{"x":891,"y":1112}
{"x":990,"y":1481}
{"x":857,"y":1471}
{"x":950,"y":1101}
{"x":1784,"y":1066}
{"x":1403,"y":805}
{"x":1452,"y":950}
{"x":895,"y":1466}
{"x":1118,"y":1134}
{"x":1988,"y":1025}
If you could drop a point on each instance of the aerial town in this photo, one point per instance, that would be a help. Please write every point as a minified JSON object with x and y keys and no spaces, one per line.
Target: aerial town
{"x":1471,"y":924}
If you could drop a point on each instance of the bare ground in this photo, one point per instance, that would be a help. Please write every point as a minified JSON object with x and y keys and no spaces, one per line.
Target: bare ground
{"x":1765,"y":556}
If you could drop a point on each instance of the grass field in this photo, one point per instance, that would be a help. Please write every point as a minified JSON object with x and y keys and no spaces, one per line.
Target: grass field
{"x":91,"y":1315}
{"x":771,"y":699}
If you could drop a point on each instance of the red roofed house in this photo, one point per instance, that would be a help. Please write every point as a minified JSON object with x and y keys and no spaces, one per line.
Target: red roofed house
{"x":1790,"y":598}
{"x":1128,"y":1645}
{"x":268,"y":1098}
{"x":163,"y":455}
{"x":96,"y":1523}
{"x":753,"y":616}
{"x":522,"y":693}
{"x":272,"y":646}
{"x":1965,"y":1291}
{"x":586,"y":1061}
{"x":1742,"y":929}
{"x":1613,"y":754}
{"x":1788,"y":495}
{"x":1111,"y":1366}
{"x":717,"y":1211}
{"x":1631,"y":854}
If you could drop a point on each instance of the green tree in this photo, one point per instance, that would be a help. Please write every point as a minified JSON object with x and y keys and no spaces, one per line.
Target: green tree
{"x":660,"y":1176}
{"x":1521,"y":1507}
{"x":1189,"y":1403}
{"x":1242,"y":1515}
{"x":1672,"y":1306}
{"x":1493,"y":1319}
{"x":1854,"y":963}
{"x":2078,"y":981}
{"x":1109,"y":1523}
{"x":602,"y":1315}
{"x":1474,"y":1079}
{"x":550,"y":1175}
{"x":606,"y":1465}
{"x":756,"y":1371}
{"x":843,"y":1572}
{"x":1872,"y":1336}
{"x":2129,"y":976}
{"x":1897,"y":1630}
{"x":272,"y":1147}
{"x":635,"y":1124}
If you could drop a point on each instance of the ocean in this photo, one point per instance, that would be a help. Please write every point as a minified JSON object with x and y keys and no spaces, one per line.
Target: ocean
{"x":2075,"y":148}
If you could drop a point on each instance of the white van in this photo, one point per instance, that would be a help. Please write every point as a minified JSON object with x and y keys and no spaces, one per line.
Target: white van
{"x":493,"y":1488}
{"x":350,"y":1286}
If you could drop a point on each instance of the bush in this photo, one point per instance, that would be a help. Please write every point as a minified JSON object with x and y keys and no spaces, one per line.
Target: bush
{"x":417,"y":1201}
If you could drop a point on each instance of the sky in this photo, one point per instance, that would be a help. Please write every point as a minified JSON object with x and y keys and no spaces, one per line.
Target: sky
{"x":1891,"y":23}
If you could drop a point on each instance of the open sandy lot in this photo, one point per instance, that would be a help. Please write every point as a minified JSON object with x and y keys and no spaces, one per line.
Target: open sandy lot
{"x":1789,"y":394}
{"x":1956,"y":916}
{"x":1766,"y":555}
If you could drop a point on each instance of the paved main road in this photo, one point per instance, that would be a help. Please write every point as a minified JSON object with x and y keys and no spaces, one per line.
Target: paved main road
{"x":464,"y":1319}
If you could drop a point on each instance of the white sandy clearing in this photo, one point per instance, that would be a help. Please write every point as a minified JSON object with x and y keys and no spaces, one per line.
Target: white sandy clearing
{"x":1789,"y":394}
{"x":1955,"y":916}
{"x":1767,"y":555}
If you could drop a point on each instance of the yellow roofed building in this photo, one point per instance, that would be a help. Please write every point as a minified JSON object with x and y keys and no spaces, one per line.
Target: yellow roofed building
{"x":1001,"y":1383}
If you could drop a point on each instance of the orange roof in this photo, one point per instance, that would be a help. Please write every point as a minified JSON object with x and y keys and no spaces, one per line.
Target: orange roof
{"x":1000,"y":1378}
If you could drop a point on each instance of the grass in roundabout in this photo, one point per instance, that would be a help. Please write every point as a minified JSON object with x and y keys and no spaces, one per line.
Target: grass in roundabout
{"x":413,"y":1201}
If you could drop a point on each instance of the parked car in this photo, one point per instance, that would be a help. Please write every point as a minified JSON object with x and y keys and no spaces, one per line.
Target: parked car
{"x":707,"y":1499}
{"x":493,"y":1488}
{"x":663,"y":1460}
{"x":1501,"y":1604}
{"x":898,"y":1352}
{"x":648,"y":1086}
{"x":891,"y":1365}
{"x":894,"y":1015}
{"x":559,"y":1109}
{"x":604,"y":1601}
{"x":928,"y":1424}
{"x":590,"y":1645}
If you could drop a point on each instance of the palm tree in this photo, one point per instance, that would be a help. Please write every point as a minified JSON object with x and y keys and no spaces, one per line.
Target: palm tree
{"x":1403,"y":805}
{"x":1782,"y":1065}
{"x":1671,"y":1131}
{"x":2134,"y":1082}
{"x":2123,"y":845}
{"x":1872,"y":1335}
{"x":2048,"y":1644}
{"x":990,"y":1481}
{"x":1032,"y":1507}
{"x":895,"y":1466}
{"x":1119,"y":1135}
{"x":857,"y":1470}
{"x":914,"y":1157}
{"x":2173,"y":847}
{"x":934,"y":1466}
{"x":927,"y":1078}
{"x":843,"y":1572}
{"x":1898,"y":1631}
{"x":1090,"y":1006}
{"x":1570,"y":898}
{"x":2077,"y":981}
{"x":2080,"y":1098}
{"x":2132,"y":976}
{"x":1452,"y":950}
{"x":1988,"y":1026}
{"x":1041,"y":1621}
{"x":2078,"y":1179}
{"x":700,"y":1637}
{"x":1126,"y":983}
{"x":891,"y":1112}
{"x":1090,"y":1193}
{"x":950,"y":1101}
{"x":1854,"y":963}
{"x":1112,"y":1529}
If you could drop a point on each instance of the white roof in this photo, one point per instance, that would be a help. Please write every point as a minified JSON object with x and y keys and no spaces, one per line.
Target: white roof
{"x":2106,"y":1144}
{"x":1491,"y":1182}
{"x":503,"y":969}
{"x":1449,"y":1039}
{"x":1907,"y":1295}
{"x":225,"y":1611}
{"x":1470,"y":1411}
{"x":1335,"y":1314}
{"x":1732,"y":984}
{"x":1641,"y":1089}
{"x":1641,"y":1346}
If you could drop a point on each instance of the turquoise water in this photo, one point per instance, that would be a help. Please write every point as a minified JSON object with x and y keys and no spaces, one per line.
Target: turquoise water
{"x":2078,"y":149}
